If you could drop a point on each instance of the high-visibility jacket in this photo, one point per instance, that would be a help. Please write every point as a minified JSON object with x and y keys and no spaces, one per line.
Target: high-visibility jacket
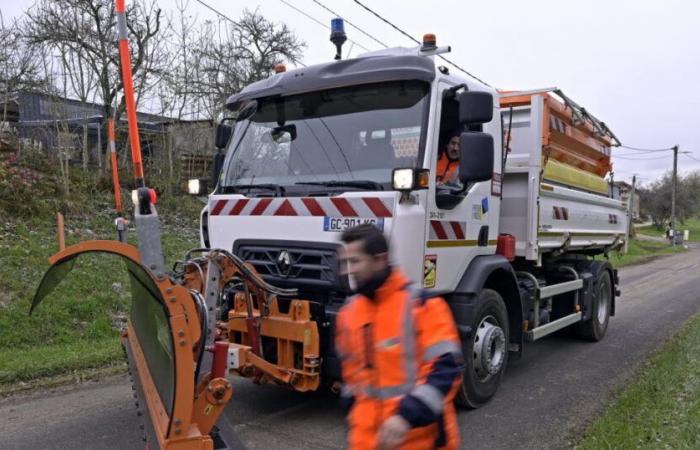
{"x":446,"y":169}
{"x":401,"y":355}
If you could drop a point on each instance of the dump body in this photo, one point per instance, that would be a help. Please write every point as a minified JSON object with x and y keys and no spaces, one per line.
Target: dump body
{"x":554,"y":195}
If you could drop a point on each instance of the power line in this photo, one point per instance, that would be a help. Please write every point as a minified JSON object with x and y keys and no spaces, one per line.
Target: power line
{"x":692,"y":157}
{"x":219,"y":13}
{"x":308,"y":16}
{"x":642,"y":159}
{"x":645,"y":149}
{"x":388,"y":23}
{"x":351,"y":24}
{"x":417,"y":41}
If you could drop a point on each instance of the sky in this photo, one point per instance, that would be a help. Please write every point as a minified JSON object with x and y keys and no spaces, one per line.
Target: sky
{"x":633,"y":64}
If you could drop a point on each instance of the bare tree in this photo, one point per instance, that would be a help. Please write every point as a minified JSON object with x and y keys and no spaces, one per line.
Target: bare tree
{"x":18,"y":67}
{"x":87,"y":28}
{"x":218,"y":59}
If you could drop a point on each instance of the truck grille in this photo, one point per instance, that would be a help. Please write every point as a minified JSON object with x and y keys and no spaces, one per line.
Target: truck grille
{"x":303,"y":265}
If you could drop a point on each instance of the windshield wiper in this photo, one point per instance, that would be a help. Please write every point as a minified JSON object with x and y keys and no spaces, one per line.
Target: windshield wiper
{"x":279,"y":190}
{"x":361,"y":184}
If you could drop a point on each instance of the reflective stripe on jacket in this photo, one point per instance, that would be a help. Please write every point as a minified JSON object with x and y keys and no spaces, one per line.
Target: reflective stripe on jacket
{"x":400,"y":355}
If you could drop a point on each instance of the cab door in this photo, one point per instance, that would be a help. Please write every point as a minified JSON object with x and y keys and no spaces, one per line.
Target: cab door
{"x":461,"y":220}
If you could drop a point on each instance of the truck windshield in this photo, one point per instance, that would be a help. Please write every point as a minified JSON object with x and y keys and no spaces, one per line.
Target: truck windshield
{"x":356,"y":133}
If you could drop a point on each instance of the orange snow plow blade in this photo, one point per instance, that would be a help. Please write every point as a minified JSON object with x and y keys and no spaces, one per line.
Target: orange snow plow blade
{"x":185,"y":334}
{"x":162,"y":333}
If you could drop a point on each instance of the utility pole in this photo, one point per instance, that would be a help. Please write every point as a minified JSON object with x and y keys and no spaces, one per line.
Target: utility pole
{"x":673,"y":195}
{"x":630,"y":230}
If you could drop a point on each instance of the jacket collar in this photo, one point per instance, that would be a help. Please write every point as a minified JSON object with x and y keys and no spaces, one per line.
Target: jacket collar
{"x":395,"y":282}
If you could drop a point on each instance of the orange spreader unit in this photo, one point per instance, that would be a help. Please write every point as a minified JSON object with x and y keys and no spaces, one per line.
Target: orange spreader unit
{"x":570,"y":134}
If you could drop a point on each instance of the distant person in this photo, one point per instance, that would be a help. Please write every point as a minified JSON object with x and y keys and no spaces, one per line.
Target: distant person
{"x":448,"y":163}
{"x":400,"y":353}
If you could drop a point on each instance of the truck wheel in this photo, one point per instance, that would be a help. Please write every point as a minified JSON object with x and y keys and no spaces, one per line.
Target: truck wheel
{"x":594,"y":328}
{"x":485,"y":352}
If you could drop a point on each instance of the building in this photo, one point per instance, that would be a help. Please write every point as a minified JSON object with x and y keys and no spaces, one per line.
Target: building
{"x":71,"y":128}
{"x":623,"y":191}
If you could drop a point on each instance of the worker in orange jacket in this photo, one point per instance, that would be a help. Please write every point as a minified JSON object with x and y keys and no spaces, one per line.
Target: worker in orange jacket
{"x":400,"y":352}
{"x":448,"y":162}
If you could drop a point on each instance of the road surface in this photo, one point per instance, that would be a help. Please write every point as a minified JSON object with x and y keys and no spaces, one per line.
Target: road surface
{"x":546,"y":400}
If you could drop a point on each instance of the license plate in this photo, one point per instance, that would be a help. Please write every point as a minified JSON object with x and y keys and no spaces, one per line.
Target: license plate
{"x":343,"y":223}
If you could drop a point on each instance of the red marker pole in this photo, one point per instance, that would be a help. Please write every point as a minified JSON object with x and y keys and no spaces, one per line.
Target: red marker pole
{"x":111,"y":138}
{"x":125,"y":59}
{"x":145,"y":215}
{"x":120,"y":221}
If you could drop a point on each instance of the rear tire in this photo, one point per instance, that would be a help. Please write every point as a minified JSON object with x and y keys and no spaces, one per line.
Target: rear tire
{"x":594,"y":328}
{"x":485,"y":352}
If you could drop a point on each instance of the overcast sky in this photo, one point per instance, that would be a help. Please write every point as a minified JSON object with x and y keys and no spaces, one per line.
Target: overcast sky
{"x":633,"y":64}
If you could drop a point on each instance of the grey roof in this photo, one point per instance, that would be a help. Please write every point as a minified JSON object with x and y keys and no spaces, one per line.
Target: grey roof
{"x":37,"y":106}
{"x":364,"y":70}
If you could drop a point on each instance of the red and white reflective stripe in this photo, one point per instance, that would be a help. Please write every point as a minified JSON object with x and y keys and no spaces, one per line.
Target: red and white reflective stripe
{"x":612,"y":218}
{"x":447,"y":230}
{"x":561,"y":213}
{"x":365,"y":207}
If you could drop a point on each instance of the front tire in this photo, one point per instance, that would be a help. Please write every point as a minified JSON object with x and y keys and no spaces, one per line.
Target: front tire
{"x":485,"y":352}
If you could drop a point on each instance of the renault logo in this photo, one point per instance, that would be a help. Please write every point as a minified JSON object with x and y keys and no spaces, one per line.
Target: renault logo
{"x":284,"y":263}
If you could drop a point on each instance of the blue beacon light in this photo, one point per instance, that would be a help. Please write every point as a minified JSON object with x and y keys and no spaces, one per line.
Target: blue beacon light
{"x":338,"y":36}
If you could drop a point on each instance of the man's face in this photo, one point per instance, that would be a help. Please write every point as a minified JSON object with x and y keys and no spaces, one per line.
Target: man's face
{"x":360,"y":265}
{"x":453,"y":148}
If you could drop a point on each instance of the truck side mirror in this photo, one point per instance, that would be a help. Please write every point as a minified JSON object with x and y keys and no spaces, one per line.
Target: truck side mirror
{"x":223,"y":135}
{"x":475,"y":107}
{"x":475,"y":157}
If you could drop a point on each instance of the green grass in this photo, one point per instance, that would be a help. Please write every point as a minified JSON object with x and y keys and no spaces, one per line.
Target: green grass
{"x":640,"y":251}
{"x":77,"y":326}
{"x":661,"y":408}
{"x":692,"y":225}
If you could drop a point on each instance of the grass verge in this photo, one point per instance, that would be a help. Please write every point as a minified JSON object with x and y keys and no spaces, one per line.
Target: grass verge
{"x":661,"y":408}
{"x":74,"y":333}
{"x":640,"y":251}
{"x":692,"y":225}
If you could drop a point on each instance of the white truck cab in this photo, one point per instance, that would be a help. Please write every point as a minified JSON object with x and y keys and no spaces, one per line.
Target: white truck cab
{"x":313,"y":151}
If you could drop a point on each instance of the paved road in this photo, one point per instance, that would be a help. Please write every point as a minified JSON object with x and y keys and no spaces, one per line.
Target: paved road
{"x":546,"y":400}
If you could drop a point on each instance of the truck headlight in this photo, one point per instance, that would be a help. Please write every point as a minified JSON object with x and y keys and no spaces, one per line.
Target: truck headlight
{"x":410,"y":179}
{"x":194,"y":187}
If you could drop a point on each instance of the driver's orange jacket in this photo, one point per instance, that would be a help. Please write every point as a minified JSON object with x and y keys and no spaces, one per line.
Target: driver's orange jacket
{"x":446,"y":169}
{"x":400,"y":354}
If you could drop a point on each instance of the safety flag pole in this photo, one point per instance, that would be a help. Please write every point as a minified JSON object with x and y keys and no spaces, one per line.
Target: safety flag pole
{"x":145,"y":215}
{"x":111,"y":138}
{"x":125,"y":59}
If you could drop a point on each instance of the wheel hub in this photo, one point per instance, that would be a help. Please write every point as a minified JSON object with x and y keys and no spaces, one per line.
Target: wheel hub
{"x":489,"y":348}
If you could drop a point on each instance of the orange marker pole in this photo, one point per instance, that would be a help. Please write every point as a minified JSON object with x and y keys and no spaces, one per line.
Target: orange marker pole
{"x":111,"y":137}
{"x":125,"y":59}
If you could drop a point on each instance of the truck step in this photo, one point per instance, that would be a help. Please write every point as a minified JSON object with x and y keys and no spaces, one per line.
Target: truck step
{"x":551,"y":327}
{"x":560,"y":288}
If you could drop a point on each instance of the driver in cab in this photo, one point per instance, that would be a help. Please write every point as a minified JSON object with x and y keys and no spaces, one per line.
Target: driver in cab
{"x":448,"y":162}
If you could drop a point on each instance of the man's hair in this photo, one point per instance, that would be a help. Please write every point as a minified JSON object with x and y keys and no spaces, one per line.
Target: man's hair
{"x":447,"y":137}
{"x":373,"y":240}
